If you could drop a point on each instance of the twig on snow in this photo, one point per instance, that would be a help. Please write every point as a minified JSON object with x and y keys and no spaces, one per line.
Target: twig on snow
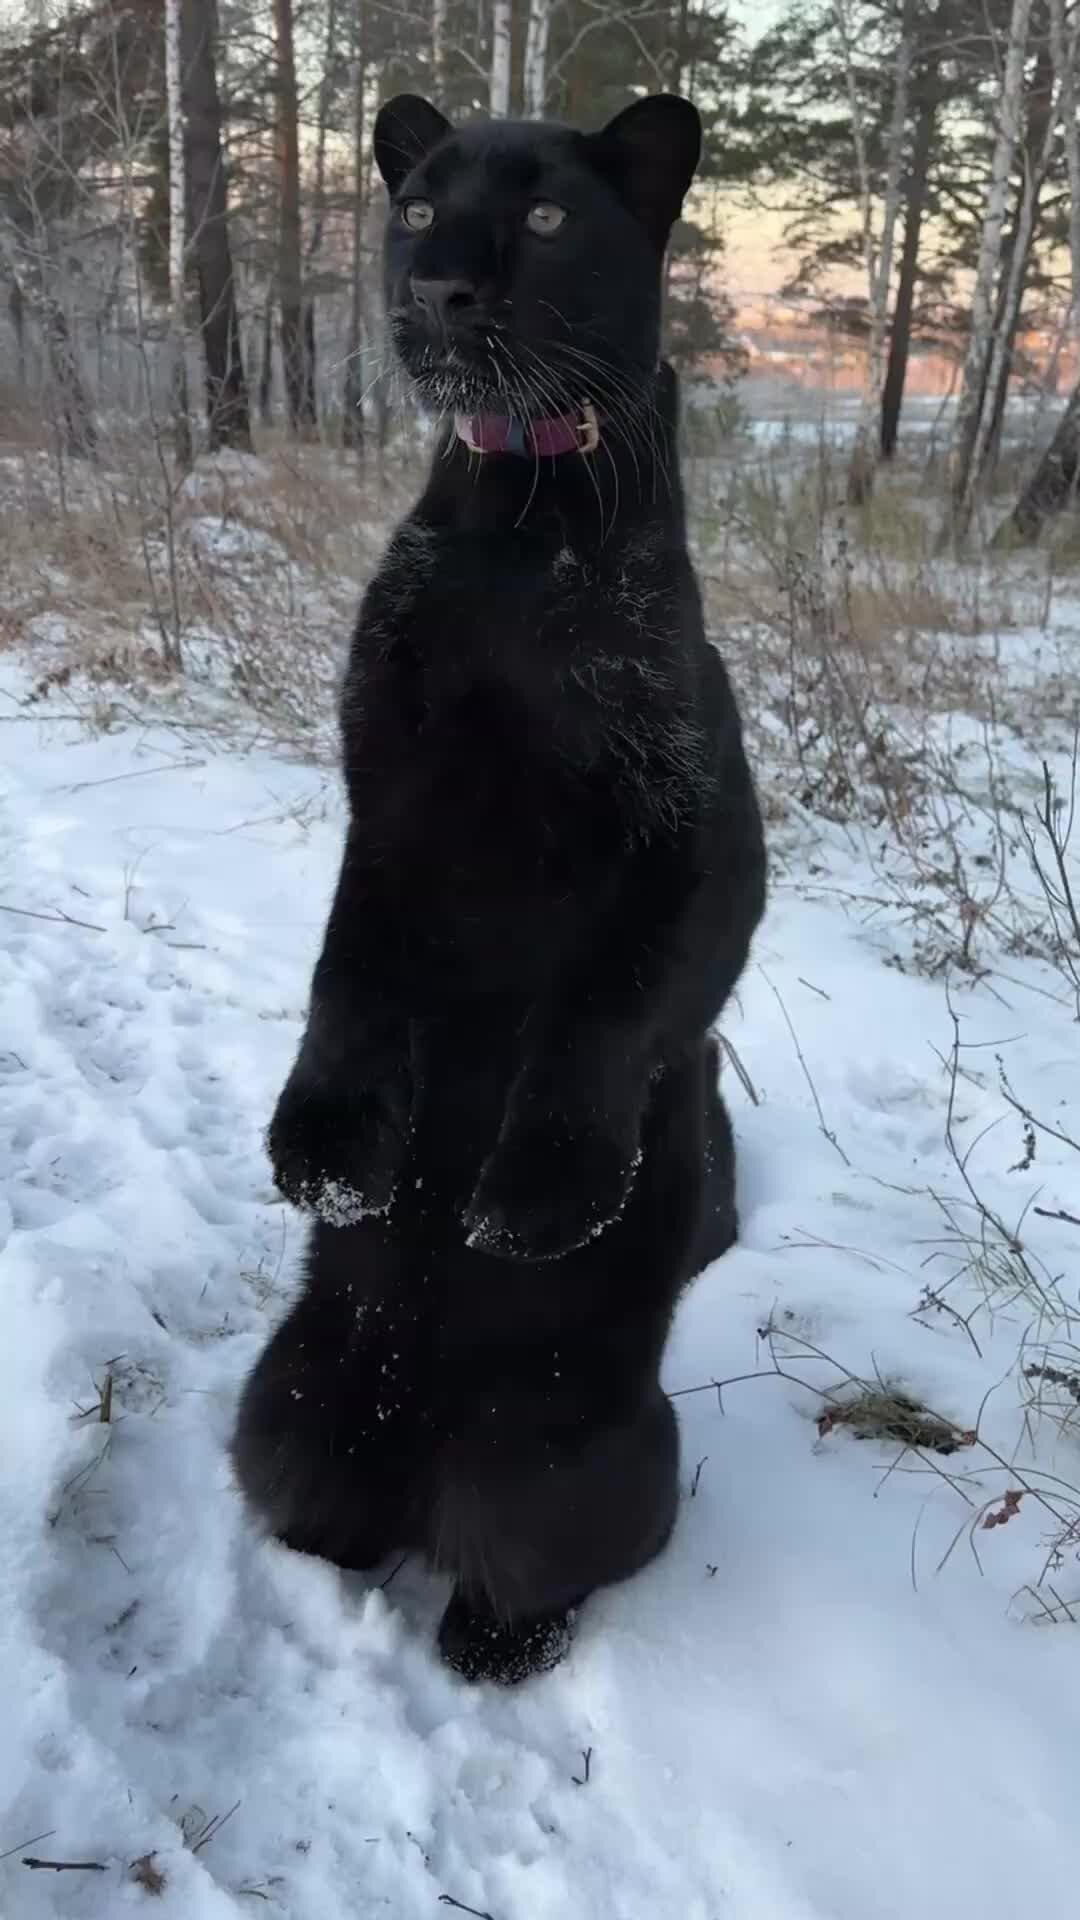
{"x":808,"y":1076}
{"x":213,"y":1828}
{"x":63,"y":1866}
{"x":1057,"y":1213}
{"x":34,"y":1841}
{"x":138,"y":773}
{"x":59,"y":918}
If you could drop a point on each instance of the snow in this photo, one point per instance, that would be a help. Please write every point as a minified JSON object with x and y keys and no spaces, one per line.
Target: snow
{"x":809,"y":1709}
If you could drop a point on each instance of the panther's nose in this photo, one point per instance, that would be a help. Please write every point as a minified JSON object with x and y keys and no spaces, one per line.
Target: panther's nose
{"x":446,"y":304}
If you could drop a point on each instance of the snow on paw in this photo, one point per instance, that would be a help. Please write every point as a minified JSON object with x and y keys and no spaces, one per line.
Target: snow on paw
{"x":339,"y":1160}
{"x":339,"y":1205}
{"x":536,"y":1202}
{"x":481,"y":1647}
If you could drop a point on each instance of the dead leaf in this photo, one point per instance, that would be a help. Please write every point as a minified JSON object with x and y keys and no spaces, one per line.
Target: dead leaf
{"x":1009,"y":1508}
{"x":147,"y":1875}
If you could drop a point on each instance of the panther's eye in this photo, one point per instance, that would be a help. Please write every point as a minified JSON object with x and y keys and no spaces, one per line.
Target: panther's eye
{"x":545,"y":218}
{"x":417,"y":214}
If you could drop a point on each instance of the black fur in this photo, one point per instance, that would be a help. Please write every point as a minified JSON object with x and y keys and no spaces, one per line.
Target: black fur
{"x":505,"y":1112}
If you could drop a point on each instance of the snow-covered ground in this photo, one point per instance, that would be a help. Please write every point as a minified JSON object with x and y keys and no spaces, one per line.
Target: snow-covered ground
{"x":799,"y":1713}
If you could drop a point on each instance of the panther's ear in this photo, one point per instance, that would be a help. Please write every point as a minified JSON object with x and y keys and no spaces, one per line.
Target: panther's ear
{"x":648,"y":153}
{"x":406,"y":129}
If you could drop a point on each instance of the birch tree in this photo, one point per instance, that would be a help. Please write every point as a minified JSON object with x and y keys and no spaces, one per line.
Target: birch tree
{"x":1065,"y":52}
{"x":1054,"y":481}
{"x":309,"y":403}
{"x":980,"y":339}
{"x":1043,"y":112}
{"x":287,"y":165}
{"x":534,"y":71}
{"x":438,"y":50}
{"x":877,"y":254}
{"x":177,"y":232}
{"x":502,"y":40}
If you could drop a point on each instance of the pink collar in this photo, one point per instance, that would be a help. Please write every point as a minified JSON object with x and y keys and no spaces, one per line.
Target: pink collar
{"x":532,"y":439}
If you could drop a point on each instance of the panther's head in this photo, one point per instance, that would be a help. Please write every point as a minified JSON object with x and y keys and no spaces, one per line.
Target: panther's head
{"x":524,"y":260}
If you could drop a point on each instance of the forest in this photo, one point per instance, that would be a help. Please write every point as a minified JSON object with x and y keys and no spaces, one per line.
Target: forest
{"x":189,"y":220}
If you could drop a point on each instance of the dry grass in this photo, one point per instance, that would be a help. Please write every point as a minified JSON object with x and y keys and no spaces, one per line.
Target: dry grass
{"x":883,"y":1413}
{"x":249,"y":570}
{"x":847,"y":639}
{"x":252,"y":568}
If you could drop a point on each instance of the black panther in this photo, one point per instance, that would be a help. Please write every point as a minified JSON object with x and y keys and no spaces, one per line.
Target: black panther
{"x":505,"y":1115}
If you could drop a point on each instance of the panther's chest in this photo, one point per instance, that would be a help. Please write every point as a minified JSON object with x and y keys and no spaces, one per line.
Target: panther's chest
{"x":484,"y":782}
{"x":519,"y":707}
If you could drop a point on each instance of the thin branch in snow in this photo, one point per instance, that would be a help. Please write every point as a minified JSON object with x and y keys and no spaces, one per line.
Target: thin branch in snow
{"x":213,"y":1827}
{"x":59,"y":918}
{"x":136,"y":773}
{"x":34,"y":1841}
{"x":826,"y":1130}
{"x":80,"y":1479}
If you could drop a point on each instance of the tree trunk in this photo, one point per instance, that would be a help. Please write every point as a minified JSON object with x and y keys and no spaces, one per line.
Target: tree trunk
{"x":20,"y":263}
{"x":679,"y":44}
{"x":318,"y":225}
{"x":379,"y":382}
{"x":290,"y":279}
{"x":352,"y":398}
{"x":17,"y":316}
{"x":980,"y":342}
{"x":177,"y":237}
{"x":502,"y":31}
{"x":877,"y":258}
{"x":1052,"y":485}
{"x":892,"y":395}
{"x":676,"y":68}
{"x":1065,"y":51}
{"x":266,"y":359}
{"x":1042,"y":121}
{"x":1007,"y":327}
{"x":228,"y":413}
{"x":534,"y":73}
{"x":438,"y":51}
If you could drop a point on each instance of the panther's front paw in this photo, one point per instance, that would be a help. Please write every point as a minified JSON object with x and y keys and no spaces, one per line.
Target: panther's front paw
{"x":480,"y":1646}
{"x":548,"y":1190}
{"x":339,"y":1155}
